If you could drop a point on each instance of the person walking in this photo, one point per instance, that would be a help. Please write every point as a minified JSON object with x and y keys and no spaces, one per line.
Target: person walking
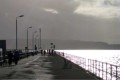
{"x":44,"y":52}
{"x":41,"y":51}
{"x":16,"y":57}
{"x":10,"y":58}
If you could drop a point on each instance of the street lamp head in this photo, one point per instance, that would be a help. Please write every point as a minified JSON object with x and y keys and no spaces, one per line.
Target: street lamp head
{"x":35,"y":31}
{"x":21,"y":16}
{"x":30,"y":27}
{"x":51,"y":43}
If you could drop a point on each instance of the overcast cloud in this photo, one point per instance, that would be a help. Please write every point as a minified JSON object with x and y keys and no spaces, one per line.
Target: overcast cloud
{"x":99,"y":8}
{"x":87,"y":20}
{"x":51,"y":10}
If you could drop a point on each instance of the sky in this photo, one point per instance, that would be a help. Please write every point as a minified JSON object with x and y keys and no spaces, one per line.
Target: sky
{"x":86,"y":20}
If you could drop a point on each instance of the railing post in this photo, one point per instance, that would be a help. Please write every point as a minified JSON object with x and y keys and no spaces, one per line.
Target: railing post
{"x":106,"y":71}
{"x":116,"y":73}
{"x":102,"y":70}
{"x":111,"y":71}
{"x":96,"y":67}
{"x":88,"y":64}
{"x":80,"y":61}
{"x":93,"y":66}
{"x":85,"y":64}
{"x":99,"y":68}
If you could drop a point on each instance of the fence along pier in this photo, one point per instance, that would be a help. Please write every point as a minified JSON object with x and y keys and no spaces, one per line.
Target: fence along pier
{"x":104,"y":70}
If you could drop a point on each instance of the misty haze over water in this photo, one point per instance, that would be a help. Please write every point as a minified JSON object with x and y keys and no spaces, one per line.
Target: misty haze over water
{"x":64,"y":44}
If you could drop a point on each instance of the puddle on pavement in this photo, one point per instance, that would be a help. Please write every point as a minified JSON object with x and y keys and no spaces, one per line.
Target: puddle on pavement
{"x":11,"y":74}
{"x":28,"y":72}
{"x":27,"y":66}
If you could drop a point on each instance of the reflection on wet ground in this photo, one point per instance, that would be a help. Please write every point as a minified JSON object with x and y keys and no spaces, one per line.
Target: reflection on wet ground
{"x":48,"y":68}
{"x":33,"y":70}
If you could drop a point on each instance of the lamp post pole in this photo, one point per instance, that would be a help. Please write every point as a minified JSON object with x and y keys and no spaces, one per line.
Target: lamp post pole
{"x":27,"y":37}
{"x":16,"y":33}
{"x":17,"y":30}
{"x":36,"y":41}
{"x":40,"y":37}
{"x":33,"y":41}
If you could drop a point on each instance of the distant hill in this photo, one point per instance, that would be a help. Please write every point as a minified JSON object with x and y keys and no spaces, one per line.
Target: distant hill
{"x":64,"y":44}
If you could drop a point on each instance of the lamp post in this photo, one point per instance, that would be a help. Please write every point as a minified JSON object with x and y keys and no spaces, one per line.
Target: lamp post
{"x":36,"y":47}
{"x":37,"y":40}
{"x":33,"y":39}
{"x":27,"y":36}
{"x":40,"y":37}
{"x":17,"y":30}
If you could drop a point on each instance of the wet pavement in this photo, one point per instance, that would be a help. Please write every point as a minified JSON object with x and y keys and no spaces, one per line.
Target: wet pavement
{"x":44,"y":68}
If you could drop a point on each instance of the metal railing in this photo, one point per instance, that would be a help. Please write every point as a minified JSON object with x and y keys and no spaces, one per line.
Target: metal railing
{"x":22,"y":52}
{"x":1,"y":59}
{"x":104,"y":70}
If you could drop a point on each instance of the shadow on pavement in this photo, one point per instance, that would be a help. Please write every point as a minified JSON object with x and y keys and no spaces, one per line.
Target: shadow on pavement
{"x":71,"y":72}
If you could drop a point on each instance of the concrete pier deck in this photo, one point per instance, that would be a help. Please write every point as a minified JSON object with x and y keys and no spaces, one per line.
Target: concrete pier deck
{"x":45,"y":68}
{"x":70,"y":71}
